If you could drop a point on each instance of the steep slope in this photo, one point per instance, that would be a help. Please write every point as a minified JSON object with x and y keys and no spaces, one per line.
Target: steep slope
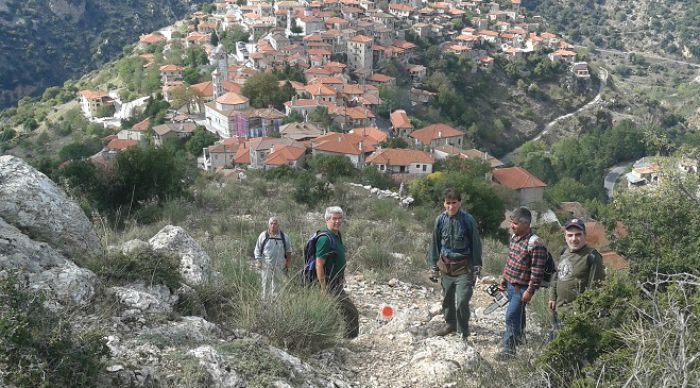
{"x":670,"y":27}
{"x":45,"y":42}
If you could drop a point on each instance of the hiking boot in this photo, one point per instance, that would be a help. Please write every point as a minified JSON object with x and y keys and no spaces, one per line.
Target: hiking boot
{"x":445,"y":330}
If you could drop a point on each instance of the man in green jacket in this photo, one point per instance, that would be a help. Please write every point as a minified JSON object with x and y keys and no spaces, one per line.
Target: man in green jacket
{"x":580,"y":268}
{"x":455,"y":251}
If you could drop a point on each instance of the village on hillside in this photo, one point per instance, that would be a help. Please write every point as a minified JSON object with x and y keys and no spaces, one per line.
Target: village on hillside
{"x":341,"y":48}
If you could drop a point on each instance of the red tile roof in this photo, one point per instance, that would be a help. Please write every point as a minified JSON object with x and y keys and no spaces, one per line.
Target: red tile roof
{"x":516,"y":178}
{"x":362,"y":39}
{"x":433,"y":132}
{"x":340,"y":143}
{"x":399,"y":157}
{"x":232,"y":98}
{"x":121,"y":144}
{"x":399,"y":119}
{"x":373,"y":134}
{"x":284,"y":154}
{"x":142,"y":125}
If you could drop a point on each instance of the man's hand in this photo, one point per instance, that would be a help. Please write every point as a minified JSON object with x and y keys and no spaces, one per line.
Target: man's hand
{"x":502,"y":285}
{"x":552,"y":305}
{"x":434,"y":275}
{"x":527,"y":296}
{"x":477,"y":271}
{"x":258,"y":264}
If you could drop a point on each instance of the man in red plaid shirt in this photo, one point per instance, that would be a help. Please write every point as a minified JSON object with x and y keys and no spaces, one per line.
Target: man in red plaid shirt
{"x":522,"y":276}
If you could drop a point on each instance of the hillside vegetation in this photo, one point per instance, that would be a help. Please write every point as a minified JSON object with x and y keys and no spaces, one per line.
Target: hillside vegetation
{"x":670,"y":27}
{"x":44,"y":43}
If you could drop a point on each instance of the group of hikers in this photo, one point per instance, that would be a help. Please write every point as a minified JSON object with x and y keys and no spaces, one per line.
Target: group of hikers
{"x":455,"y":261}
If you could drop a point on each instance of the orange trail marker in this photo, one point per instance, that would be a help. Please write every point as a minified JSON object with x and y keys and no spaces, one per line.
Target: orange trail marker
{"x":387,"y":312}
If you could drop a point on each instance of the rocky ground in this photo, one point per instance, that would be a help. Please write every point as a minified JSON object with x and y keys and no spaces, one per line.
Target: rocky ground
{"x":403,"y":352}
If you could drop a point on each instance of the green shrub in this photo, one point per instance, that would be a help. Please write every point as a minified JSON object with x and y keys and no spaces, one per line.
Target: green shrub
{"x":151,"y":268}
{"x":375,"y":256}
{"x":301,"y":319}
{"x":589,"y":330}
{"x":38,"y":348}
{"x":310,"y":190}
{"x":373,"y":177}
{"x":298,"y":318}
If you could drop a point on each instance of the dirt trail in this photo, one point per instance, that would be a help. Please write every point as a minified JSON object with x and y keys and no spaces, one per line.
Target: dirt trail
{"x":402,"y":352}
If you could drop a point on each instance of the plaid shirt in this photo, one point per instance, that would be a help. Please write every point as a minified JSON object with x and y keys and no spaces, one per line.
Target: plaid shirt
{"x":525,"y":268}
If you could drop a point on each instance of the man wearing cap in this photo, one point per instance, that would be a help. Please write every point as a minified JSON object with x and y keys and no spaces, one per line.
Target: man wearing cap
{"x":580,"y":268}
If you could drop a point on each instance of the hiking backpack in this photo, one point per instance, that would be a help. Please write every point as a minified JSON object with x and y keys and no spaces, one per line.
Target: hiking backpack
{"x":309,"y":272}
{"x":550,"y":266}
{"x":267,"y":238}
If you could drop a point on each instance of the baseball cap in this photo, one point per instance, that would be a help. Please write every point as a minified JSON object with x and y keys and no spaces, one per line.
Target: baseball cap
{"x":575,"y":223}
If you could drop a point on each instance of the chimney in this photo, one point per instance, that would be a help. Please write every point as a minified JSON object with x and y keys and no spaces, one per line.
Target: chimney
{"x":439,"y":134}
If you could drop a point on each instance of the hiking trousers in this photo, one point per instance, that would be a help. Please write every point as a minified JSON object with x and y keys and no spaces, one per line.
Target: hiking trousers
{"x":350,"y":314}
{"x":273,"y":278}
{"x":455,"y":303}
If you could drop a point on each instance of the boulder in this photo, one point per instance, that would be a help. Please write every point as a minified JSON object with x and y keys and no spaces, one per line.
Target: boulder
{"x":191,"y":329}
{"x":221,"y":375}
{"x":154,"y":300}
{"x":31,"y":202}
{"x":195,"y":264}
{"x":45,"y":268}
{"x":439,"y":358}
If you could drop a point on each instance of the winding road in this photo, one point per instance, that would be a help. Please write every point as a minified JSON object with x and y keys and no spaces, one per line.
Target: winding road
{"x":612,"y":176}
{"x":603,"y":75}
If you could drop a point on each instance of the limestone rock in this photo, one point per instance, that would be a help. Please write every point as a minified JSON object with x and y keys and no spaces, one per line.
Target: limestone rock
{"x":440,"y":357}
{"x":155,"y":300}
{"x":195,"y":264}
{"x":45,"y":268}
{"x":193,"y":329}
{"x":32,"y":203}
{"x":69,"y":284}
{"x":214,"y":363}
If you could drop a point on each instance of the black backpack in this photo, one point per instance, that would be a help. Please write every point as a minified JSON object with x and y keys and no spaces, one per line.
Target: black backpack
{"x":550,"y":266}
{"x":267,"y":238}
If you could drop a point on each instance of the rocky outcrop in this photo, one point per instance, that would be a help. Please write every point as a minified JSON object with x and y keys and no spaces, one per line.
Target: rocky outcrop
{"x":195,"y":264}
{"x":140,"y":300}
{"x":45,"y":269}
{"x":32,"y":203}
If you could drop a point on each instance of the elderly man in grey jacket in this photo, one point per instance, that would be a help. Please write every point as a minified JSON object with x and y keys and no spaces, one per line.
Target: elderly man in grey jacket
{"x":273,"y":253}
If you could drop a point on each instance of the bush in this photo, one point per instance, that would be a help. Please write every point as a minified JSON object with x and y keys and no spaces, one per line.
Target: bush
{"x":332,"y":166}
{"x":371,"y":176}
{"x":151,"y":268}
{"x":310,"y":190}
{"x":589,"y":330}
{"x":301,"y":319}
{"x":298,"y":318}
{"x":38,"y":348}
